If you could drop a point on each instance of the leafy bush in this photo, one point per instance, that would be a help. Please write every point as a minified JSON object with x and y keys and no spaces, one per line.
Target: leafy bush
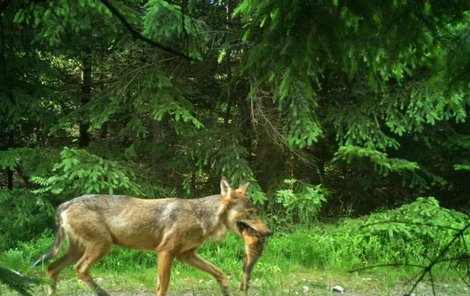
{"x":301,"y":202}
{"x":423,"y":219}
{"x":424,"y":222}
{"x":412,"y":234}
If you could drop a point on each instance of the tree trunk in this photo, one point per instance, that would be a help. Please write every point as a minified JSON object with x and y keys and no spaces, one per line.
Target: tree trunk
{"x":85,"y":98}
{"x":9,"y":171}
{"x":156,"y":134}
{"x":9,"y":179}
{"x":104,"y":131}
{"x":193,"y":182}
{"x":228,"y":66}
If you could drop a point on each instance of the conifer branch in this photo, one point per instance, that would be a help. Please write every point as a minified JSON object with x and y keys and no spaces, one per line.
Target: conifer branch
{"x":137,"y":35}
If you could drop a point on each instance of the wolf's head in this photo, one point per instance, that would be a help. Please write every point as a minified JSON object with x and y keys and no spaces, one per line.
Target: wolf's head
{"x":240,"y":210}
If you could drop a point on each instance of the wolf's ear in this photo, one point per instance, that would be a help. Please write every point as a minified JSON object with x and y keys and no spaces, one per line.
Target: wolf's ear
{"x":242,"y":189}
{"x":225,"y":189}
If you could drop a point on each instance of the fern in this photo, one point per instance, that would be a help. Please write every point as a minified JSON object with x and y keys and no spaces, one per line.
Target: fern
{"x":80,"y":172}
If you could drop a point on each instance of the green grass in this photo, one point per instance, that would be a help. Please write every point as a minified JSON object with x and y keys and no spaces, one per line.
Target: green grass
{"x":298,"y":260}
{"x":303,"y":261}
{"x":295,"y":280}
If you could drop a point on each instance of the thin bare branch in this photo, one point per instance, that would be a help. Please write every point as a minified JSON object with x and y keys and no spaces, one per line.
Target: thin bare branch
{"x":136,"y":34}
{"x":438,"y":258}
{"x":427,"y":269}
{"x":431,"y":279}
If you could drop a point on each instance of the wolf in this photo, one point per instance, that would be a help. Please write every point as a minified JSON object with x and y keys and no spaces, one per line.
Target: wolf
{"x":254,"y":246}
{"x":174,"y":228}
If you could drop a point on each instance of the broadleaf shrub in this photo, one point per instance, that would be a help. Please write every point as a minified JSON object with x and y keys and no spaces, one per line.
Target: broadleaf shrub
{"x":301,"y":202}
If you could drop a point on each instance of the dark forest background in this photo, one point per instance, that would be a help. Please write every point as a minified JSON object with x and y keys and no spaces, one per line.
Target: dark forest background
{"x":329,"y":108}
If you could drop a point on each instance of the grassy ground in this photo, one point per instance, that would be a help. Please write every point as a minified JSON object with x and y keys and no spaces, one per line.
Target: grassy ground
{"x":297,"y":281}
{"x":301,"y":261}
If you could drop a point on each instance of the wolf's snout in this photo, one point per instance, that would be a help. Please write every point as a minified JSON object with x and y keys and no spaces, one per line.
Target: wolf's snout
{"x":264,"y":230}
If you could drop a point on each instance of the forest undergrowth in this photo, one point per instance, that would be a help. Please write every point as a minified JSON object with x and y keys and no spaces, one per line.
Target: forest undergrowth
{"x":380,"y":254}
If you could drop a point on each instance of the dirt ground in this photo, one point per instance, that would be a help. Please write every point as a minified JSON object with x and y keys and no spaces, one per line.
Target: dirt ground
{"x":294,"y":284}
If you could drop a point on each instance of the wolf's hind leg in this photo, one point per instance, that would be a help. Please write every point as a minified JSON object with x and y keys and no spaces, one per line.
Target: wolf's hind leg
{"x":92,"y":255}
{"x":193,"y":259}
{"x":73,"y":253}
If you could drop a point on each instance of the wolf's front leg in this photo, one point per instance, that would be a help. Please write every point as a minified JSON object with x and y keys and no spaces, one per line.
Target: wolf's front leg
{"x":165,"y":260}
{"x":196,"y":261}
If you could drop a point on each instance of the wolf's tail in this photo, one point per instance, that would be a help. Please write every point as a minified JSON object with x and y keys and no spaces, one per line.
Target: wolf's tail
{"x":59,"y":236}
